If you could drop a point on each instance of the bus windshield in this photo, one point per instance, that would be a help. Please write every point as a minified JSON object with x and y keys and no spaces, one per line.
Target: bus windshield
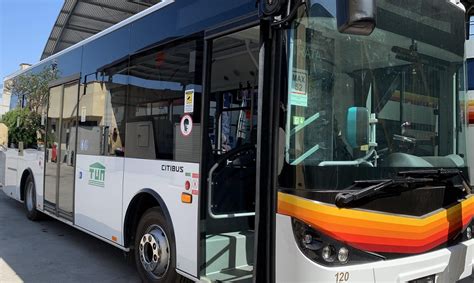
{"x":362,"y":107}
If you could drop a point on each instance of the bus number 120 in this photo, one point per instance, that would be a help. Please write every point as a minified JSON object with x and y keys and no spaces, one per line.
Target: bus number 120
{"x":342,"y":277}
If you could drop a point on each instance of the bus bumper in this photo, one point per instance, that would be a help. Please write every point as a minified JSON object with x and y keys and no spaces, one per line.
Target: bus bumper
{"x":448,"y":265}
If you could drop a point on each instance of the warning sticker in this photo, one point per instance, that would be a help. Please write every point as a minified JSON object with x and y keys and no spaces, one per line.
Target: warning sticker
{"x":186,"y":125}
{"x":189,"y":101}
{"x":298,"y":88}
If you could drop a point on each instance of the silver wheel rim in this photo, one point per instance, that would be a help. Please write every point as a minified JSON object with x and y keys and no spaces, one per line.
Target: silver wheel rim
{"x":29,"y":197}
{"x":154,"y":251}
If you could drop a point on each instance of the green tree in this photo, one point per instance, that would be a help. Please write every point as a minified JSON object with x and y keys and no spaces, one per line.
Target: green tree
{"x":23,"y":125}
{"x":32,"y":88}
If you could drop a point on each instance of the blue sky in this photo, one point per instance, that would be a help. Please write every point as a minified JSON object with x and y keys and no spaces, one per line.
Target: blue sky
{"x":25,"y":26}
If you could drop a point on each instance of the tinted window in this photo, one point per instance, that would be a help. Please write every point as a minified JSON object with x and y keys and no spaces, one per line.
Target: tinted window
{"x":102,"y":111}
{"x":102,"y":103}
{"x":470,"y":74}
{"x":69,"y":63}
{"x":186,"y":17}
{"x":159,"y":79}
{"x":106,"y":50}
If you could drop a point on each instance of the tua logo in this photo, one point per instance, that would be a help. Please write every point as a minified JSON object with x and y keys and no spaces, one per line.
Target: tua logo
{"x":97,"y":175}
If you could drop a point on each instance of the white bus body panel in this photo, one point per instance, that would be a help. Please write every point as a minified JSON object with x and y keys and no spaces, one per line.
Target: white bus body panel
{"x":10,"y":187}
{"x":449,"y":264}
{"x":15,"y":166}
{"x":99,"y":209}
{"x":162,"y":178}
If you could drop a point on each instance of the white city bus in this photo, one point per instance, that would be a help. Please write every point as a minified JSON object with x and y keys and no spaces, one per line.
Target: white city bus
{"x":292,"y":141}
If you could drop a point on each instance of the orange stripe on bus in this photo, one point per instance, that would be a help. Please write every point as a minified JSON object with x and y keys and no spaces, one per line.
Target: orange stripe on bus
{"x":379,"y":232}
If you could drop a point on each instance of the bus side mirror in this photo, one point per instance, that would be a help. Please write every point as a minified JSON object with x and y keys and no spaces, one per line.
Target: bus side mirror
{"x":357,"y":126}
{"x":356,"y":16}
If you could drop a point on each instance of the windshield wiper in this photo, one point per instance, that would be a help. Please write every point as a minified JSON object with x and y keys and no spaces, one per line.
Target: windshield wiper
{"x":440,"y":175}
{"x":407,"y":178}
{"x":343,"y":199}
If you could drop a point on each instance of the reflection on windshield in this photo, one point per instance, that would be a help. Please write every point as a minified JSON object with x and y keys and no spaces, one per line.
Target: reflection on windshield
{"x":391,"y":99}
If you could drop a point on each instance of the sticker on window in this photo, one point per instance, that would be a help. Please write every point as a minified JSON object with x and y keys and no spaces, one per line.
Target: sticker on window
{"x":298,"y":120}
{"x":189,"y":101}
{"x":298,"y":89}
{"x":186,"y":125}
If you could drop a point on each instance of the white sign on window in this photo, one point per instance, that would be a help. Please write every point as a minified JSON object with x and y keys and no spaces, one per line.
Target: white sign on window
{"x":189,"y":101}
{"x":298,"y":90}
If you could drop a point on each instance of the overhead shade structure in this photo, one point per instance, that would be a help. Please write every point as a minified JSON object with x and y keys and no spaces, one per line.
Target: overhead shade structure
{"x":80,"y":19}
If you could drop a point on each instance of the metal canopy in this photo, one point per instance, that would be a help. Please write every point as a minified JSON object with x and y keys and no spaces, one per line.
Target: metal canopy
{"x":80,"y":19}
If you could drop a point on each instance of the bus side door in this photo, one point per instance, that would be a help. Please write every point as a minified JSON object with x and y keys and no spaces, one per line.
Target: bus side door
{"x":100,"y":161}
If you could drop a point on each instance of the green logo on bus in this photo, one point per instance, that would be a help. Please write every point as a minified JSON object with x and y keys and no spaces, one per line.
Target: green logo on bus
{"x":97,"y":175}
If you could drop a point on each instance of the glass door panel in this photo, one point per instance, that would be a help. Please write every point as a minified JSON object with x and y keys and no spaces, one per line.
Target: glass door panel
{"x":68,"y":151}
{"x":52,"y":142}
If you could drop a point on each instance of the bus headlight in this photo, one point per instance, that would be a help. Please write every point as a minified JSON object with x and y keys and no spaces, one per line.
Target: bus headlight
{"x":307,"y":239}
{"x":343,"y":255}
{"x":468,"y":232}
{"x":327,"y":251}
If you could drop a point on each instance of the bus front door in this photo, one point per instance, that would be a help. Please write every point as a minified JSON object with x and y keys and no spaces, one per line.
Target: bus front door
{"x":231,"y":103}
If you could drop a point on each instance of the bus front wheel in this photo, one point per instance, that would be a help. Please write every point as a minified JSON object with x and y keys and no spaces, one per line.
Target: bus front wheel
{"x":155,"y":253}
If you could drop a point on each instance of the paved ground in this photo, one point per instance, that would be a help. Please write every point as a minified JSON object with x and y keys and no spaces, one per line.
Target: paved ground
{"x":50,"y":251}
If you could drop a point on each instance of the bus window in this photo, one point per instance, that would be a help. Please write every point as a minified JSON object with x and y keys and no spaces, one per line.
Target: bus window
{"x":102,"y":112}
{"x":233,"y":105}
{"x":159,"y":81}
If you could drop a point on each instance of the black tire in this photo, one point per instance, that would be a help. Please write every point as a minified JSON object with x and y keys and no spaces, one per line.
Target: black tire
{"x":30,"y":200}
{"x":154,"y":219}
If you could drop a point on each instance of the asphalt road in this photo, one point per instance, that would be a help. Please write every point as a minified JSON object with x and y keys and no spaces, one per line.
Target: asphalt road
{"x":50,"y":251}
